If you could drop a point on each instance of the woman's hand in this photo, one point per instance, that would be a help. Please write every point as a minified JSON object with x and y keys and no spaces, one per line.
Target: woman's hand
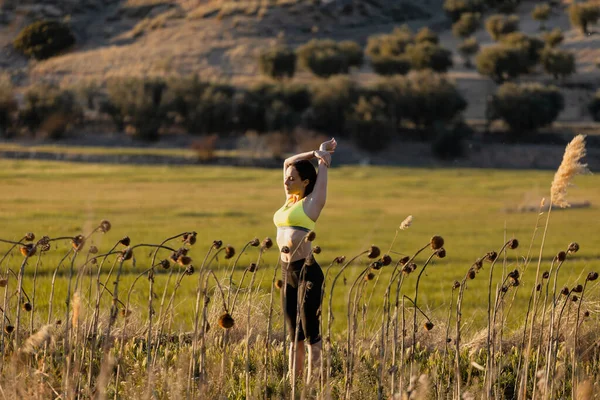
{"x":328,"y":146}
{"x":323,"y":156}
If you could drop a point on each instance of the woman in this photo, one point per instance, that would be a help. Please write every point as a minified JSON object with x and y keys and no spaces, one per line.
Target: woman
{"x":306,"y":192}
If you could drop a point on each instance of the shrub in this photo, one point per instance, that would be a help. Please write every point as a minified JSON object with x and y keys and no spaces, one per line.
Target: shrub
{"x":426,"y":35}
{"x":393,"y":44}
{"x":369,"y":125}
{"x":353,"y":52}
{"x":265,"y":106}
{"x":466,"y":25}
{"x":541,"y":12}
{"x":391,"y":65}
{"x":530,"y":46}
{"x":326,"y":57}
{"x":554,"y":37}
{"x":594,"y":107}
{"x":8,"y":104}
{"x":44,"y":39}
{"x":507,"y":6}
{"x":500,"y":25}
{"x":49,"y":110}
{"x":448,"y":142}
{"x":501,"y":62}
{"x":332,"y":99}
{"x":468,"y":48}
{"x":455,"y":8}
{"x":277,"y":62}
{"x":583,"y":14}
{"x":558,"y":63}
{"x":526,"y":107}
{"x":423,"y":98}
{"x":429,"y":56}
{"x":137,"y":103}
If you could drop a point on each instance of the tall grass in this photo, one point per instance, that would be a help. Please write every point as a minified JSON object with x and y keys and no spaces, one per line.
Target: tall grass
{"x":111,"y":342}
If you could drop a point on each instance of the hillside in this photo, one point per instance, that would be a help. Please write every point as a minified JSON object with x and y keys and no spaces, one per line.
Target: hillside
{"x":221,"y":39}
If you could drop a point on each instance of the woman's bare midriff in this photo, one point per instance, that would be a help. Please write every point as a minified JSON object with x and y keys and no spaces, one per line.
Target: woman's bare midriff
{"x":294,"y":239}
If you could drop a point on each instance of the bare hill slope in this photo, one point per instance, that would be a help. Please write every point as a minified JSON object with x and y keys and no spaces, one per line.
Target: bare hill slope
{"x":221,"y":39}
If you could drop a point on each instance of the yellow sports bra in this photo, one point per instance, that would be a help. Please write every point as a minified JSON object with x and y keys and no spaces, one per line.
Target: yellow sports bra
{"x":293,"y":217}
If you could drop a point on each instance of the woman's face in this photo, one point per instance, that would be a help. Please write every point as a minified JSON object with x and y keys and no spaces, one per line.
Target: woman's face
{"x":292,"y":182}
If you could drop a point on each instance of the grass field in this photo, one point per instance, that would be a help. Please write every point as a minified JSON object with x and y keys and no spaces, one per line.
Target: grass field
{"x":365,"y":206}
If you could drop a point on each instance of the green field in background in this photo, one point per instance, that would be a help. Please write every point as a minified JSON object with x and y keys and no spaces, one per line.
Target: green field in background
{"x":365,"y":206}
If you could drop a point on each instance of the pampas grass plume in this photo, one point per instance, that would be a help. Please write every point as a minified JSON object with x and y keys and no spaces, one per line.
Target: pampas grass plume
{"x":36,"y":340}
{"x":569,"y":167}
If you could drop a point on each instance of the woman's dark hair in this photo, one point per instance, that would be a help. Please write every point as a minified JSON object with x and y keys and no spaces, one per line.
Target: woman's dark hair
{"x":306,"y":171}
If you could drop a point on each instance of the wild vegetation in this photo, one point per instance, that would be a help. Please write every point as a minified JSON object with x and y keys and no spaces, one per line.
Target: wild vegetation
{"x":91,"y":317}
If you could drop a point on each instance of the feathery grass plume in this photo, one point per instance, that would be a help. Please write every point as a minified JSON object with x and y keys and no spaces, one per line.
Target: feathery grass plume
{"x":569,"y":167}
{"x":406,"y":223}
{"x":35,"y":341}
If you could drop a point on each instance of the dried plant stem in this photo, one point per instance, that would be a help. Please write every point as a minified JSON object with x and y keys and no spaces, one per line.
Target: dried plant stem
{"x":235,"y":263}
{"x":149,"y":362}
{"x":549,"y":358}
{"x":489,"y":363}
{"x":267,"y":368}
{"x":327,"y":347}
{"x":574,"y":368}
{"x":200,"y":290}
{"x":415,"y":303}
{"x":249,"y":302}
{"x":523,"y":387}
{"x":330,"y":309}
{"x":33,"y":305}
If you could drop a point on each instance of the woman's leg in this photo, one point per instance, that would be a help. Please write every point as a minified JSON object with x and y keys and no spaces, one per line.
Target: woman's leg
{"x":311,"y":318}
{"x":314,"y":357}
{"x":299,"y":357}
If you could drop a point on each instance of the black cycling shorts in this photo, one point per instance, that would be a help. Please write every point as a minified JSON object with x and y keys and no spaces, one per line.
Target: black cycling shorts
{"x":308,"y":283}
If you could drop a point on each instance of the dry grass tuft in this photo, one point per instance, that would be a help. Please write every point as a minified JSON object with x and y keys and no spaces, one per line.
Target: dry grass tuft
{"x":35,"y":341}
{"x":569,"y":167}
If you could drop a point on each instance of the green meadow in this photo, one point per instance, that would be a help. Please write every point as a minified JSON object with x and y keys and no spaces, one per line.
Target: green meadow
{"x":469,"y":208}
